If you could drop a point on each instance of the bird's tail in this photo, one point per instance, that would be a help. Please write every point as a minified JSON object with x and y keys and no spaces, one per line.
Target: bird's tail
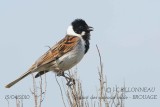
{"x":18,"y":79}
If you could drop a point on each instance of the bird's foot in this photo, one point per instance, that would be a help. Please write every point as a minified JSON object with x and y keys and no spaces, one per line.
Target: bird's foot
{"x":70,"y":80}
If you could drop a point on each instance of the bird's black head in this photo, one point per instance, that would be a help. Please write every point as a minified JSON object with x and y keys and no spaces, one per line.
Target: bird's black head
{"x":81,"y":27}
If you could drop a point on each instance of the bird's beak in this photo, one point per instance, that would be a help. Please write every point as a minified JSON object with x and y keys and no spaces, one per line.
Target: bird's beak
{"x":90,"y":28}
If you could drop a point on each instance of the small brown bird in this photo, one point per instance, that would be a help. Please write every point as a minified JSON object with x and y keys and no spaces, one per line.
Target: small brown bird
{"x":65,"y":54}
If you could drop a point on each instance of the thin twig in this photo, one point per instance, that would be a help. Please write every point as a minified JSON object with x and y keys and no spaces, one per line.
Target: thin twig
{"x":45,"y":88}
{"x":101,"y":77}
{"x":60,"y":91}
{"x":41,"y":92}
{"x":34,"y":92}
{"x":100,"y":59}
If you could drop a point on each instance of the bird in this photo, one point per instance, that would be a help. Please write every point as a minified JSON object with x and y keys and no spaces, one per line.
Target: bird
{"x":65,"y":54}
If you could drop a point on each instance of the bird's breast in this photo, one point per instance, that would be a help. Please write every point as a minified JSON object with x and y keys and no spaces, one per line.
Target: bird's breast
{"x":71,"y":58}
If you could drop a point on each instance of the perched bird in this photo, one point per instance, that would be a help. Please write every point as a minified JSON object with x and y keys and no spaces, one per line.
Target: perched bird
{"x":65,"y":54}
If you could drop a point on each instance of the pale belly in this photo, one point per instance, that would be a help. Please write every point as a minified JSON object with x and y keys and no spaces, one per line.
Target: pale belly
{"x":68,"y":60}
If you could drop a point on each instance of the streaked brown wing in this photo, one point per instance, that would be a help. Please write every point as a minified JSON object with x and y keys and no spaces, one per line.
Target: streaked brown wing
{"x":61,"y":48}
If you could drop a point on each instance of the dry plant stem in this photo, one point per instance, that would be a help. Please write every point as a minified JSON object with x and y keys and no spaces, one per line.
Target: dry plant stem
{"x":45,"y":88}
{"x":41,"y":90}
{"x":100,"y":59}
{"x":34,"y":92}
{"x":38,"y":91}
{"x":60,"y":91}
{"x":40,"y":102}
{"x":72,"y":96}
{"x":123,"y":102}
{"x":19,"y":103}
{"x":101,"y":77}
{"x":67,"y":95}
{"x":74,"y":93}
{"x":77,"y":92}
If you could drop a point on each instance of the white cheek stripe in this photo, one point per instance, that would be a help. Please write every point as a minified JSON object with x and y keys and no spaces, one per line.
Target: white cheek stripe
{"x":71,"y":32}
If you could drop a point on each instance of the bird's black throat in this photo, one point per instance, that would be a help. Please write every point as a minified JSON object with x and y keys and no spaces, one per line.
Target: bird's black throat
{"x":86,"y":38}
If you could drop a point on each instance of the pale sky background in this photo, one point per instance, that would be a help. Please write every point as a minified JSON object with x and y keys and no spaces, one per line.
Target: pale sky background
{"x":126,"y":31}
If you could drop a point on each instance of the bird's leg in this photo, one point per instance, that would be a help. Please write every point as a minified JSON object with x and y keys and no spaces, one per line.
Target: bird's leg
{"x":60,"y":73}
{"x":70,"y":80}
